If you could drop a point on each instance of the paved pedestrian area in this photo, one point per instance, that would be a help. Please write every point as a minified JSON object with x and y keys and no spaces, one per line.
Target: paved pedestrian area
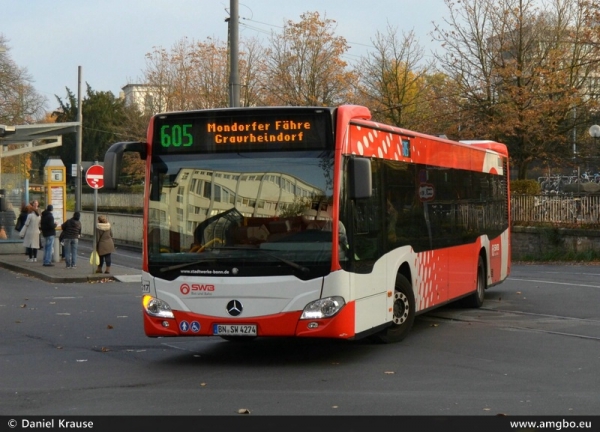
{"x":84,"y":272}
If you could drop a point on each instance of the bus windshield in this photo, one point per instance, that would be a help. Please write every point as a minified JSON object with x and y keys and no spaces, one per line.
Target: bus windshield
{"x":241,"y":214}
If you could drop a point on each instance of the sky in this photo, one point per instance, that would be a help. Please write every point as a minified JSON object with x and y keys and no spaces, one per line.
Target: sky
{"x":109,"y":39}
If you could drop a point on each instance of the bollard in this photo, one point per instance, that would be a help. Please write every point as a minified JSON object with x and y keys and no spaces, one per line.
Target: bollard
{"x":56,"y":250}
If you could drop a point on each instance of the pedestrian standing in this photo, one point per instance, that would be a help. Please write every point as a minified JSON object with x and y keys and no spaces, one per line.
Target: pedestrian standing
{"x":21,"y":220}
{"x":48,"y":227}
{"x":10,"y":223}
{"x":30,"y":233}
{"x":72,"y":232}
{"x":22,"y":217}
{"x":36,"y":206}
{"x":105,"y":244}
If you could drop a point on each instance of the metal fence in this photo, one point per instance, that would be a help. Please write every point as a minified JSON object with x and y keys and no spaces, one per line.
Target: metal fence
{"x":558,"y":210}
{"x":525,"y":209}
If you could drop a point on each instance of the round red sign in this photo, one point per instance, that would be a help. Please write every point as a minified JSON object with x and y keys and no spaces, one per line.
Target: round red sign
{"x":94,"y":176}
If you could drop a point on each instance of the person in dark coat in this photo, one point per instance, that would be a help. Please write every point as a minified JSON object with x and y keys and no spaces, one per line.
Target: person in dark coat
{"x":105,"y":244}
{"x":71,"y":234}
{"x":48,"y":227}
{"x":22,"y":217}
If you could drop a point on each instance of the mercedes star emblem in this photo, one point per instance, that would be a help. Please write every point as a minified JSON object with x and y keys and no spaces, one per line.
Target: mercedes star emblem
{"x":234,"y":307}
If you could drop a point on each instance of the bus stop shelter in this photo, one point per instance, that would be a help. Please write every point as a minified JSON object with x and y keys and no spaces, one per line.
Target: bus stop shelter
{"x":14,"y":141}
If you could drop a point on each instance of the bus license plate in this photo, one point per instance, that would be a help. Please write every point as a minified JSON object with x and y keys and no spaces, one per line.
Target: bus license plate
{"x":234,"y":329}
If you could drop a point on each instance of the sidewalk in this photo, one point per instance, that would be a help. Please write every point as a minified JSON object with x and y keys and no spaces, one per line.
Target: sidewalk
{"x":84,"y":272}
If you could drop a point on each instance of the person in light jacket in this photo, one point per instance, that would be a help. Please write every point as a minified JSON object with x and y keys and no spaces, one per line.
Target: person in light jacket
{"x":105,"y":244}
{"x":30,"y":233}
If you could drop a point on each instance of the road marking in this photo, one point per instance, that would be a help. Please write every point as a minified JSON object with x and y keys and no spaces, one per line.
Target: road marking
{"x":555,"y":283}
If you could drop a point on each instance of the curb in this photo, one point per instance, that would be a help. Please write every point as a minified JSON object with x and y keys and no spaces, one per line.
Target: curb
{"x":56,"y":279}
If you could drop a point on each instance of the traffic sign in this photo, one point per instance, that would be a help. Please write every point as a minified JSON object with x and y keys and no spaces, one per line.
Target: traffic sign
{"x":94,"y":176}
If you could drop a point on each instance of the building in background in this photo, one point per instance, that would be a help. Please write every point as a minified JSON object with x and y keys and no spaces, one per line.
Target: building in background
{"x":148,"y":98}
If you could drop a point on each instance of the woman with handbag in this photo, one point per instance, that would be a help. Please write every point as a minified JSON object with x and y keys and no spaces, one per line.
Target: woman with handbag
{"x":105,"y":244}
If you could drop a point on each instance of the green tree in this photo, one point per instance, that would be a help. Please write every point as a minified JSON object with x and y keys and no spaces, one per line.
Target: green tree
{"x":103,"y":118}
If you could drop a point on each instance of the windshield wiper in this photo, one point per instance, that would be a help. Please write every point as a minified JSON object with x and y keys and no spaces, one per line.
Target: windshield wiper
{"x":178,"y":266}
{"x":283,"y":260}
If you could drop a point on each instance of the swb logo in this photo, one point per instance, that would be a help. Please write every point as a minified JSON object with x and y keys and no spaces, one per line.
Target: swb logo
{"x":196,"y":288}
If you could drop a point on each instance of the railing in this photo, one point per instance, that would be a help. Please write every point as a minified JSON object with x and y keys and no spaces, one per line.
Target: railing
{"x":525,"y":209}
{"x":558,"y":210}
{"x":113,"y":200}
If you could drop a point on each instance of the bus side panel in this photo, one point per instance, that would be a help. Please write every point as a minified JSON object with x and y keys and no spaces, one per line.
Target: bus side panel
{"x":371,"y":312}
{"x":373,"y":292}
{"x":431,"y":278}
{"x":370,"y":294}
{"x":463,"y":271}
{"x":499,"y":253}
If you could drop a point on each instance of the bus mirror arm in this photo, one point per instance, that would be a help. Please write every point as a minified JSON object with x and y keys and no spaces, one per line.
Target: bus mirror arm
{"x":114,"y":158}
{"x":359,"y":173}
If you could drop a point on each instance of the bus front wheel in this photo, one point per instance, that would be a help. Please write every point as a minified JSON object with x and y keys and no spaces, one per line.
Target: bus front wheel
{"x":403,"y":314}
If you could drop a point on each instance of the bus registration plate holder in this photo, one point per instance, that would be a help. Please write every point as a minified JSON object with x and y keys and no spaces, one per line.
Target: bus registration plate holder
{"x":234,"y":330}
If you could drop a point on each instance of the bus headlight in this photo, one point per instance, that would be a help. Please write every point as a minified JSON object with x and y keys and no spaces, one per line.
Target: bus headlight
{"x":156,"y":307}
{"x":323,"y":308}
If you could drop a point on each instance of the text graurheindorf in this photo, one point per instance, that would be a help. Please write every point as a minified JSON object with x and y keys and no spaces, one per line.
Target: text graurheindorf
{"x":258,"y":132}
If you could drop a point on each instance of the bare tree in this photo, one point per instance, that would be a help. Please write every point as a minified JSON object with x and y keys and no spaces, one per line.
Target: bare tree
{"x":519,"y":72}
{"x":393,"y":80}
{"x":195,"y":75}
{"x":19,"y":102}
{"x":192,"y":75}
{"x":252,"y":71}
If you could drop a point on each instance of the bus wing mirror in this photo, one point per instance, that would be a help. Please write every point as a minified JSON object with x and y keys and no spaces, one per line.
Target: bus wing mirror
{"x":114,"y":158}
{"x":360,"y":184}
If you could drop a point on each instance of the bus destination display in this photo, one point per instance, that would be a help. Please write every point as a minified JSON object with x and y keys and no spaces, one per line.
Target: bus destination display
{"x":181,"y":133}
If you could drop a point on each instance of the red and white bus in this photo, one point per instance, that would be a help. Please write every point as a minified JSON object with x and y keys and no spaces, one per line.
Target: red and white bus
{"x":312,"y":222}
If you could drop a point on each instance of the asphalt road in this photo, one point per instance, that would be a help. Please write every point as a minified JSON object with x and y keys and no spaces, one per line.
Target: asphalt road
{"x":79,"y":349}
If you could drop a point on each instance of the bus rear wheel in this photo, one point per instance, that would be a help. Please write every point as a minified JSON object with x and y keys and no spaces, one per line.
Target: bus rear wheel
{"x":403,"y":314}
{"x":475,"y":300}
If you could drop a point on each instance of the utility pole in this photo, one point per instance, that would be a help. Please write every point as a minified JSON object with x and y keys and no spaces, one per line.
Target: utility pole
{"x":234,"y":79}
{"x":78,"y":146}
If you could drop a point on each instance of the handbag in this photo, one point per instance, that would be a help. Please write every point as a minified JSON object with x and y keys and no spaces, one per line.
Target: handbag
{"x":95,"y":258}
